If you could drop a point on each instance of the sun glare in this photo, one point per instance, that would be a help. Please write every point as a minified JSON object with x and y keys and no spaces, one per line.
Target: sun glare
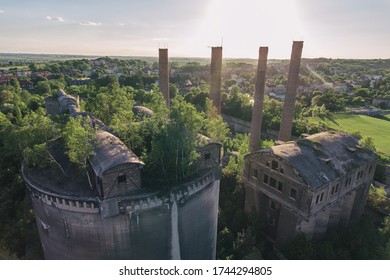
{"x":244,"y":25}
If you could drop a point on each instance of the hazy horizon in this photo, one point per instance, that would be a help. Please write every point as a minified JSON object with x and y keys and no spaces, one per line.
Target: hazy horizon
{"x":177,"y":57}
{"x":348,"y":29}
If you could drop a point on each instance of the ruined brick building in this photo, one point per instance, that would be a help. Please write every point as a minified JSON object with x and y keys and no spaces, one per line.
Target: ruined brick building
{"x":307,"y":186}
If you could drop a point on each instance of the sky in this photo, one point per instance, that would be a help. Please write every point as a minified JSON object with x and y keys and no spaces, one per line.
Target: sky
{"x":329,"y":28}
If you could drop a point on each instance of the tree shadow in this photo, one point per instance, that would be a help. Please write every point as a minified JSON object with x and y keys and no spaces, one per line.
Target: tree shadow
{"x":330,"y":118}
{"x":383,"y":118}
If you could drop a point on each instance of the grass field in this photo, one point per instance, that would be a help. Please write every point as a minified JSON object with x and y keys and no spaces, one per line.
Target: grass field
{"x":377,"y":129}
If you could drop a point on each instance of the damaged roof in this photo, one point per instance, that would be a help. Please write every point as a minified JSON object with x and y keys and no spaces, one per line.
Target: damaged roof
{"x":110,"y":151}
{"x":323,"y":157}
{"x":143,"y":111}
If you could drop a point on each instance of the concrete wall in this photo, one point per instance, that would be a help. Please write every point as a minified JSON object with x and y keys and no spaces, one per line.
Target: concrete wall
{"x":237,"y":125}
{"x":52,"y":106}
{"x":181,"y":225}
{"x":74,"y":235}
{"x":286,"y":227}
{"x":198,"y":220}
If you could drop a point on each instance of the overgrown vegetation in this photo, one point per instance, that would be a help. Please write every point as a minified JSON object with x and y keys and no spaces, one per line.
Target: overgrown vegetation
{"x":328,"y":88}
{"x":369,"y":239}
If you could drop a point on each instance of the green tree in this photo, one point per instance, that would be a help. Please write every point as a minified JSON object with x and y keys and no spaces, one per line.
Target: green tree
{"x":367,"y":143}
{"x":112,"y":103}
{"x":79,"y":139}
{"x":244,"y":246}
{"x":214,"y":126}
{"x":33,"y":67}
{"x":43,"y":88}
{"x":197,"y":96}
{"x":237,"y":104}
{"x":173,"y":153}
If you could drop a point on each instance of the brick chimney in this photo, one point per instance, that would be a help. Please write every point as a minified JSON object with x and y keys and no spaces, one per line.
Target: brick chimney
{"x":163,"y":73}
{"x":292,"y":85}
{"x":215,"y":77}
{"x":257,"y":114}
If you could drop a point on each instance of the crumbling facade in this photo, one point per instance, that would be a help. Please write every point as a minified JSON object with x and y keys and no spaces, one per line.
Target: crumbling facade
{"x":110,"y":215}
{"x":308,"y":186}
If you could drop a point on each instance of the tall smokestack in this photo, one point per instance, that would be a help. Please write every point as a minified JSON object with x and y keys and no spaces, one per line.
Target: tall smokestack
{"x":163,"y":73}
{"x":215,"y":79}
{"x":292,"y":85}
{"x":257,"y":114}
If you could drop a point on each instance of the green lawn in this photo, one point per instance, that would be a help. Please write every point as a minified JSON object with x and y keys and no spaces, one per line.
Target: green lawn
{"x":377,"y":129}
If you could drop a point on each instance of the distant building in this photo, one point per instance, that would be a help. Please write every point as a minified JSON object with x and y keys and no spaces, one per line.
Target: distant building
{"x":42,"y":74}
{"x":79,"y":82}
{"x":308,"y":186}
{"x":368,"y":111}
{"x":5,"y":80}
{"x":26,"y":84}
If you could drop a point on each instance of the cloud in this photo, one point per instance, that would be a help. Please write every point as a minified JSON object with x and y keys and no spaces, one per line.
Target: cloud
{"x":55,"y":18}
{"x":90,"y":23}
{"x":2,"y":11}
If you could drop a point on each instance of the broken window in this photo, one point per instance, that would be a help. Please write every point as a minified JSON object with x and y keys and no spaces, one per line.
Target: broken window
{"x":207,"y":156}
{"x":265,"y":180}
{"x":275,"y":165}
{"x":254,"y":173}
{"x":319,"y":197}
{"x":272,"y":182}
{"x":268,"y":163}
{"x":121,"y":179}
{"x":348,"y":182}
{"x":334,"y":190}
{"x":293,"y":193}
{"x":280,"y":186}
